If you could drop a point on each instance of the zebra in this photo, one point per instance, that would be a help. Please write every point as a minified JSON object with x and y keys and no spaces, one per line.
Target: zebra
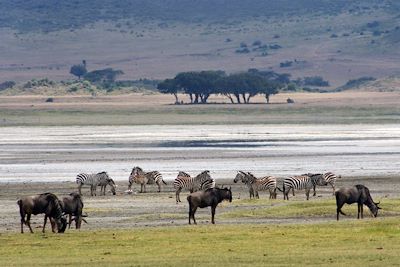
{"x":202,"y":181}
{"x":327,"y":178}
{"x":255,"y":185}
{"x":94,"y":180}
{"x":141,"y":177}
{"x":300,"y":182}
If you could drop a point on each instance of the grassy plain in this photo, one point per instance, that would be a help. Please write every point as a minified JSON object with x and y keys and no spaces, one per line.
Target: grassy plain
{"x":142,"y":109}
{"x":370,"y":242}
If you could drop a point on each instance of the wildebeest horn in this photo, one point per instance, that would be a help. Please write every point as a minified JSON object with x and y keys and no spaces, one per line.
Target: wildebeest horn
{"x":230,"y":187}
{"x":377,"y":203}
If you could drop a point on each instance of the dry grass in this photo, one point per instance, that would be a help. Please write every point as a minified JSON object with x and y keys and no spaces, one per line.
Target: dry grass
{"x":139,"y":109}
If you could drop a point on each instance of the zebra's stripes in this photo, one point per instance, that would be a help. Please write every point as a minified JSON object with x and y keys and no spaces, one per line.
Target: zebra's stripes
{"x":326,"y":178}
{"x":300,"y":182}
{"x":255,"y":185}
{"x":141,"y":177}
{"x":93,"y":180}
{"x":202,"y":181}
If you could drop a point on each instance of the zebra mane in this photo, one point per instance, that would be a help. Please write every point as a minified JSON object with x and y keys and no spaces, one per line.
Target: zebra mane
{"x":203,"y":173}
{"x":103,"y":172}
{"x":250,"y":174}
{"x":137,"y":168}
{"x":181,"y":173}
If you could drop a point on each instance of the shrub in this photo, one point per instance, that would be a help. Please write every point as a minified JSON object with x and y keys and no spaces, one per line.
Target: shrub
{"x":315,"y":81}
{"x":7,"y":84}
{"x":286,"y":64}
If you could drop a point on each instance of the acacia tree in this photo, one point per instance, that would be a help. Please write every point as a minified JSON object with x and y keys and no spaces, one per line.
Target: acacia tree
{"x":169,"y":86}
{"x":198,"y":85}
{"x":78,"y":70}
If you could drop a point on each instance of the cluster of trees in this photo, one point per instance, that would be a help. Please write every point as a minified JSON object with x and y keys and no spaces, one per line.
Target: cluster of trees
{"x":238,"y":87}
{"x":104,"y":78}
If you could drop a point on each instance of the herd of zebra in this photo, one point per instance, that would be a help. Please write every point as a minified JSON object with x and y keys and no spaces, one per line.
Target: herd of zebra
{"x":204,"y":181}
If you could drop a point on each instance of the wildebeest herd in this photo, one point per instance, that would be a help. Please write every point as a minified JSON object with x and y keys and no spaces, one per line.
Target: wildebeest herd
{"x":202,"y":188}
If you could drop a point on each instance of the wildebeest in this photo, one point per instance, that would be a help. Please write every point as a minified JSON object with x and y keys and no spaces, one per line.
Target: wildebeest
{"x":73,"y":205}
{"x":46,"y":203}
{"x":357,"y":194}
{"x":210,"y":197}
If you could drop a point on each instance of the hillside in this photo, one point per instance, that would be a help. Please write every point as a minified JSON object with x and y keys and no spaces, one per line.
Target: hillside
{"x":335,"y":39}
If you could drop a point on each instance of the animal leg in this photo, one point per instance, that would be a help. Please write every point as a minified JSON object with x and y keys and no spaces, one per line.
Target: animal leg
{"x":292,"y":192}
{"x":44,"y":224}
{"x":159,"y":186}
{"x":79,"y":189}
{"x":22,"y":224}
{"x":190,"y":211}
{"x":177,"y":195}
{"x":193,"y":212}
{"x":213,"y":214}
{"x":28,"y":222}
{"x":314,"y":192}
{"x":333,"y":188}
{"x":69,"y":220}
{"x":308,"y":193}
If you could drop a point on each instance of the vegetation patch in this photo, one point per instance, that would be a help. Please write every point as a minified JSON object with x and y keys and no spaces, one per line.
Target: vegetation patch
{"x":369,"y":242}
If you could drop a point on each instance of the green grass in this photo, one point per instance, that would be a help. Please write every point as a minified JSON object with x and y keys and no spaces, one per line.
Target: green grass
{"x":203,"y":114}
{"x":264,"y":209}
{"x":368,"y":242}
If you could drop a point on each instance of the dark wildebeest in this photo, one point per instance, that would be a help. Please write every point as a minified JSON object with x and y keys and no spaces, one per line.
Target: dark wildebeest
{"x":73,"y":205}
{"x":46,"y":203}
{"x":210,"y":197}
{"x":357,"y":194}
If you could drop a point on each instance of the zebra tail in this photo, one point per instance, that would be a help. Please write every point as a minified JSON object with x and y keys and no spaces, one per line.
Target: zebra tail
{"x":279,"y":189}
{"x":164,"y":182}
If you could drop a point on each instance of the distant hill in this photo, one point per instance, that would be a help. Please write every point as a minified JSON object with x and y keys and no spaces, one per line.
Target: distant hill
{"x":50,"y":15}
{"x":386,"y":84}
{"x":338,"y":40}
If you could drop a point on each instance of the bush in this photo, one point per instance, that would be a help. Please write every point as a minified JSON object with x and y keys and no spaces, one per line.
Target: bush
{"x":315,"y":81}
{"x":275,"y":46}
{"x":7,"y":84}
{"x":286,"y":64}
{"x":36,"y":83}
{"x":244,"y":50}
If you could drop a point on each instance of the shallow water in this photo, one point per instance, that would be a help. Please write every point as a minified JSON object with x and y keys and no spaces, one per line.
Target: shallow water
{"x":60,"y":153}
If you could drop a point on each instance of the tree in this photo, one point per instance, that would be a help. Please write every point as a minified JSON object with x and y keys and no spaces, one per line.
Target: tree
{"x":78,"y":70}
{"x":169,"y":86}
{"x":104,"y":76}
{"x":198,"y":85}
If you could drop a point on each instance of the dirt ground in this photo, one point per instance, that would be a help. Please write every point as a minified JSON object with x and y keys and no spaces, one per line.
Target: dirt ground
{"x":160,"y":209}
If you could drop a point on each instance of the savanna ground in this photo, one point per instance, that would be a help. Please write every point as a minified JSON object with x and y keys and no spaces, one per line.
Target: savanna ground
{"x":151,"y":229}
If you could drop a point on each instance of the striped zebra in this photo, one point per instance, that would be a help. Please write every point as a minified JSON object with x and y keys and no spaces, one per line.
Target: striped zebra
{"x":141,"y":177}
{"x":300,"y":182}
{"x":254,"y":185}
{"x":327,"y":178}
{"x":93,"y":180}
{"x":202,"y":181}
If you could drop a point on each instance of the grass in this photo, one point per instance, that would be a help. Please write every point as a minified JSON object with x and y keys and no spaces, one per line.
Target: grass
{"x":264,"y":209}
{"x":369,"y":242}
{"x":204,"y":114}
{"x":349,"y":242}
